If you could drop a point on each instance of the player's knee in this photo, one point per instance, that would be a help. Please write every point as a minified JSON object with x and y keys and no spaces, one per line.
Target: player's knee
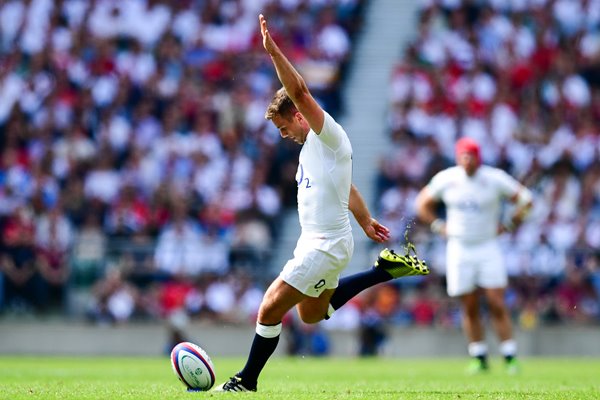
{"x":496,"y":305}
{"x":498,"y":309}
{"x":471,"y":312}
{"x":311,"y":317}
{"x":268,"y":314}
{"x":312,"y":320}
{"x":472,"y":317}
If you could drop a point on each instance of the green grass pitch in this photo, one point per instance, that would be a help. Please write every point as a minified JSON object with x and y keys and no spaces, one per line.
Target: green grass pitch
{"x":300,"y":379}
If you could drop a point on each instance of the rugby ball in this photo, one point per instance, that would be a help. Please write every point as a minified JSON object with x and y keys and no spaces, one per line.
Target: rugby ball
{"x":193,"y":366}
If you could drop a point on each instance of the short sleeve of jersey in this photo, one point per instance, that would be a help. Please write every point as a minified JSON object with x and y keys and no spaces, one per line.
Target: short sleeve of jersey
{"x":332,"y":134}
{"x":437,"y":184}
{"x":507,"y":185}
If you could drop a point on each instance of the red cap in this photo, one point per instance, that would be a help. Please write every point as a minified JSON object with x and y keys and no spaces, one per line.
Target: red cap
{"x":468,"y":145}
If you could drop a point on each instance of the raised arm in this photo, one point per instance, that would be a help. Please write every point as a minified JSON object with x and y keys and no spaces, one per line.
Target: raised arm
{"x":292,"y":81}
{"x":373,"y":229}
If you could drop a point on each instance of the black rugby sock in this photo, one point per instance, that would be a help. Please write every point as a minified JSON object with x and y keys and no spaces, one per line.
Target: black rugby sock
{"x":262,"y":348}
{"x":352,"y":285}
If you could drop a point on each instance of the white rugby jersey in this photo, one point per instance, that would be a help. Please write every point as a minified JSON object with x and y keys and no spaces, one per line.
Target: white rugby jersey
{"x":324,"y":177}
{"x":473,"y":204}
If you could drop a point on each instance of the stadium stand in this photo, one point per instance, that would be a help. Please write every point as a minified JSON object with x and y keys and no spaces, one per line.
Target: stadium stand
{"x":138,"y":175}
{"x":132,"y":136}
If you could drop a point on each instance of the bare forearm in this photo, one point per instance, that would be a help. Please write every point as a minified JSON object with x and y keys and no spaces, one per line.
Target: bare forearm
{"x":520,"y":214}
{"x":290,"y":78}
{"x":426,"y":207}
{"x":523,"y":203}
{"x":518,"y":217}
{"x":427,"y":214}
{"x":426,"y":211}
{"x":373,"y":229}
{"x":358,"y":207}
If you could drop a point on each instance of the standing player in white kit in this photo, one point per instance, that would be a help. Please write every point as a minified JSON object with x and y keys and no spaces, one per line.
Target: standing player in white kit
{"x":310,"y":281}
{"x":473,"y":195}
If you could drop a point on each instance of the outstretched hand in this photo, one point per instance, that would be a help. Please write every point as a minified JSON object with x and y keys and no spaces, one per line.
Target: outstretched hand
{"x":377,"y":232}
{"x":268,"y":42}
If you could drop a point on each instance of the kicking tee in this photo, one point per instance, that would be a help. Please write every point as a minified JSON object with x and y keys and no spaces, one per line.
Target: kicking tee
{"x":473,"y":204}
{"x":324,"y":177}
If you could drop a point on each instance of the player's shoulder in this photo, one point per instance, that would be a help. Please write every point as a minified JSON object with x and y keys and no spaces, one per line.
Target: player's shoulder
{"x":450,"y":172}
{"x":444,"y":178}
{"x":493,"y":172}
{"x":330,"y":124}
{"x":497,"y":177}
{"x":333,"y":134}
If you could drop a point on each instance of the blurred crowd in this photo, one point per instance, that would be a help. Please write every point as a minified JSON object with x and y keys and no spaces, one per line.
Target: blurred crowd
{"x":522,"y":78}
{"x":139,"y":179}
{"x":138,"y":176}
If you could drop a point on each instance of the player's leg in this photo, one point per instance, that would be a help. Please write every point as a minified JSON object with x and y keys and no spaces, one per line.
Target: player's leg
{"x":494,"y":279}
{"x":503,"y":326}
{"x":388,"y":266}
{"x":499,"y":313}
{"x":278,"y":300}
{"x":461,"y":282}
{"x":473,"y":329}
{"x":352,"y":285}
{"x":472,"y":325}
{"x":314,"y":309}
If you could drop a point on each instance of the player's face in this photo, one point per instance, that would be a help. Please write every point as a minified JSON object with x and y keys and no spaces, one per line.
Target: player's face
{"x":468,"y":161}
{"x":291,"y":128}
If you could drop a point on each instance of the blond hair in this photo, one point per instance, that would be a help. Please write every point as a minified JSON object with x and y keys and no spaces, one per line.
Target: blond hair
{"x":281,"y":105}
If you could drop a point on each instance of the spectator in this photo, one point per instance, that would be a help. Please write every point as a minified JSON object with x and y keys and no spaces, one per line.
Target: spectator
{"x":178,"y":243}
{"x":251,"y":243}
{"x":179,"y":295}
{"x":114,"y":300}
{"x":103,"y":182}
{"x":21,"y":281}
{"x":128,"y":214}
{"x":53,"y":240}
{"x":89,"y":252}
{"x":137,"y":261}
{"x":379,"y":304}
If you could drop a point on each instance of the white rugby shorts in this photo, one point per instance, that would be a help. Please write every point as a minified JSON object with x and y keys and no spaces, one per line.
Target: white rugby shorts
{"x":318,"y":263}
{"x":472,"y":265}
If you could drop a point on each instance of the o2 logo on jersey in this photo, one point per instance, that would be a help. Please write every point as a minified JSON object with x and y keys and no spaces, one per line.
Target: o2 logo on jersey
{"x":320,"y":284}
{"x":469,"y":206}
{"x":301,"y":179}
